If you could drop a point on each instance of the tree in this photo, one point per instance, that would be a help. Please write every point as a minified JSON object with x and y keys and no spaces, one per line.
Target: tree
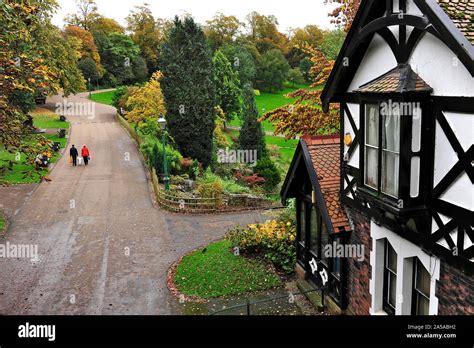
{"x":85,"y":16}
{"x":242,"y":62}
{"x":87,"y":47}
{"x":222,"y":30}
{"x":305,"y":67}
{"x":305,"y":116}
{"x":147,"y":103}
{"x":227,"y":86}
{"x":272,"y":70}
{"x":107,"y":26}
{"x":188,"y":88}
{"x":263,"y":32}
{"x":332,"y":43}
{"x":140,"y":69}
{"x":252,"y":136}
{"x":145,"y":32}
{"x":28,"y":65}
{"x":295,"y":76}
{"x":89,"y":69}
{"x":344,"y":15}
{"x":118,"y":52}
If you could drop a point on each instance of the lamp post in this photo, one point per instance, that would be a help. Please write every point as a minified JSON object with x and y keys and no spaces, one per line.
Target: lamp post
{"x":166,"y":178}
{"x":90,"y":88}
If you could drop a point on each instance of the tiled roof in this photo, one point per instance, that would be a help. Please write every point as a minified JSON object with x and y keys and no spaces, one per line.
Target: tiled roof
{"x":461,"y":13}
{"x":401,"y":79}
{"x":325,"y":155}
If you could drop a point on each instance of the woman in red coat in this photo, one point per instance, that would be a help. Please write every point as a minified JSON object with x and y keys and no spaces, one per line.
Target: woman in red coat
{"x":85,"y":155}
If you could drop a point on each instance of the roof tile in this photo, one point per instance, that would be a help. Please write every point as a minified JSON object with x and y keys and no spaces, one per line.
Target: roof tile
{"x":325,"y":155}
{"x":461,"y":13}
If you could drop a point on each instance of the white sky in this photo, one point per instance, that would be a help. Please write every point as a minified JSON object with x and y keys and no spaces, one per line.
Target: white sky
{"x":290,"y":14}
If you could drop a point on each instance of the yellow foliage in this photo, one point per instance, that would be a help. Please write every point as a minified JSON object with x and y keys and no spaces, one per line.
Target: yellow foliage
{"x":147,"y":102}
{"x":219,"y":135}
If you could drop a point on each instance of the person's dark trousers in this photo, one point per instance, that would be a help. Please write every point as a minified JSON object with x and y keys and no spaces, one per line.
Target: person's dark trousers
{"x":86,"y":160}
{"x":74,"y":161}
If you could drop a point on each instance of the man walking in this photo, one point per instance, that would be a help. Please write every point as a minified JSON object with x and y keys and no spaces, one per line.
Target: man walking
{"x":73,"y":153}
{"x":85,"y":155}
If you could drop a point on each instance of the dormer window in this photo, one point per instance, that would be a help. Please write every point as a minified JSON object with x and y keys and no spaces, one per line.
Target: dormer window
{"x":392,"y":110}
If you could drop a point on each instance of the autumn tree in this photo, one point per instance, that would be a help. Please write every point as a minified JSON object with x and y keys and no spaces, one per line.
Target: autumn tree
{"x":145,"y":32}
{"x":263,"y":32}
{"x":188,"y":88}
{"x":147,"y":103}
{"x":29,"y":62}
{"x":222,"y":30}
{"x":87,"y":47}
{"x":344,"y":15}
{"x":85,"y":16}
{"x":305,"y":116}
{"x":252,"y":135}
{"x":107,"y":26}
{"x":227,"y":86}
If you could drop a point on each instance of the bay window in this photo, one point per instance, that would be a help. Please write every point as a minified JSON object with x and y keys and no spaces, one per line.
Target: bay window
{"x":382,"y":146}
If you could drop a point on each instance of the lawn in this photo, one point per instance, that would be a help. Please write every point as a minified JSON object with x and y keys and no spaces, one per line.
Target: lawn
{"x":103,"y":97}
{"x":215,"y":271}
{"x":3,"y":223}
{"x":23,"y":172}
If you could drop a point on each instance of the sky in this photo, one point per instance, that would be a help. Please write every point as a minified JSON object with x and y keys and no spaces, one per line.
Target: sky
{"x":290,"y":14}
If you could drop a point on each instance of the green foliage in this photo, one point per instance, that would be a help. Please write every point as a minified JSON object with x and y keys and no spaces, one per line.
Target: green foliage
{"x":152,"y":150}
{"x":272,"y":70}
{"x":215,"y":271}
{"x":332,"y":43}
{"x":305,"y":67}
{"x":23,"y":100}
{"x":251,"y":136}
{"x":140,"y":70}
{"x":227,"y":85}
{"x":267,"y":170}
{"x":273,"y":240}
{"x":186,"y":63}
{"x":242,"y":62}
{"x":89,"y":69}
{"x":229,"y":185}
{"x":295,"y":76}
{"x":117,"y":96}
{"x":193,"y":170}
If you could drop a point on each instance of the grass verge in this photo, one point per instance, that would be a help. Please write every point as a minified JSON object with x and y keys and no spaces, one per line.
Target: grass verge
{"x":103,"y":97}
{"x":215,"y":271}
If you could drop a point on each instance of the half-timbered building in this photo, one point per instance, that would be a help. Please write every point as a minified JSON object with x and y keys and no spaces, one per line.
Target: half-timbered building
{"x":404,"y":81}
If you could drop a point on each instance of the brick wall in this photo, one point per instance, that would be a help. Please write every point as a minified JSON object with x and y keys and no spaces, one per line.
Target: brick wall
{"x":359,"y":272}
{"x":455,"y":291}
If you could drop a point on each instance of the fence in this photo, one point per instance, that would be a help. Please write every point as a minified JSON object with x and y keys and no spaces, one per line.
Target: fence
{"x":247,"y":305}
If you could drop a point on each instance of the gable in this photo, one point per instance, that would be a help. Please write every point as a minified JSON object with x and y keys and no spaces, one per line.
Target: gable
{"x":394,"y":36}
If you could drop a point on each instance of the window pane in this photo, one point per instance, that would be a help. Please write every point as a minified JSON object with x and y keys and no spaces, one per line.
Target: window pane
{"x":336,"y":261}
{"x":324,"y":241}
{"x":390,"y":173}
{"x":391,"y":132}
{"x":416,"y":130}
{"x":371,"y":167}
{"x":391,"y":258}
{"x":302,"y":222}
{"x":314,"y":231}
{"x":422,"y":306}
{"x":372,"y":124}
{"x":423,"y":279}
{"x":392,"y":289}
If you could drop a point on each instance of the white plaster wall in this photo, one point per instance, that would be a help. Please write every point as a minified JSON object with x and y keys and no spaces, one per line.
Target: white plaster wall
{"x":461,"y":192}
{"x":405,"y":252}
{"x":441,"y":69}
{"x":378,"y":60}
{"x":413,"y":9}
{"x":355,"y":111}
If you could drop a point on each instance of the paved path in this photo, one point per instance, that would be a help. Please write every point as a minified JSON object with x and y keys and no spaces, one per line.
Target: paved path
{"x":103,"y":247}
